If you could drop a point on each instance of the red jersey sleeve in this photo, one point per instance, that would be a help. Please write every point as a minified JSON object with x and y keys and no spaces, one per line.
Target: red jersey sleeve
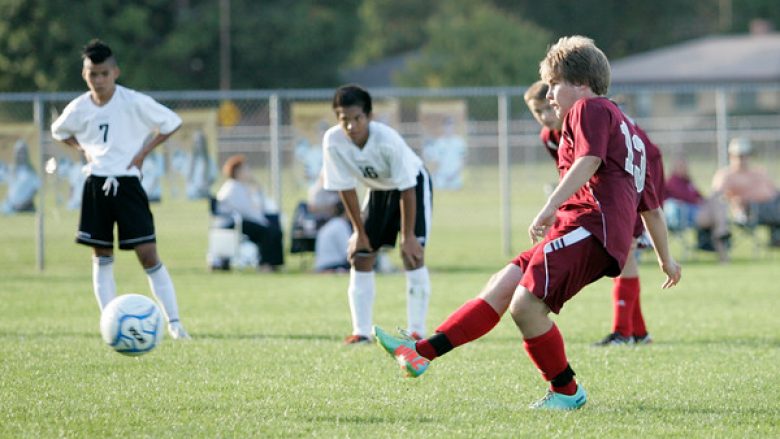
{"x":591,"y":139}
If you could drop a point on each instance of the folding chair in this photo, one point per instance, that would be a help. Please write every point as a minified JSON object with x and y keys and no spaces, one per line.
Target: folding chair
{"x":224,"y":238}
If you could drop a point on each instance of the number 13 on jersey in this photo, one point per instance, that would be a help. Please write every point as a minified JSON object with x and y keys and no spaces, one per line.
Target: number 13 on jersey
{"x":634,"y":145}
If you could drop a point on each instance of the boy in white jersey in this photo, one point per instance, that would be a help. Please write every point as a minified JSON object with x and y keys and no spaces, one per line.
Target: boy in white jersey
{"x":398,"y":202}
{"x":109,"y":124}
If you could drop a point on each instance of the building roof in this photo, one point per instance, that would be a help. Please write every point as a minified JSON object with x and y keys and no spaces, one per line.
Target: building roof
{"x":380,"y":73}
{"x":721,"y":58}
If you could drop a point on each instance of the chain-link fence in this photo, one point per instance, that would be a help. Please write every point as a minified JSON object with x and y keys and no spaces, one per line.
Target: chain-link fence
{"x":461,"y":133}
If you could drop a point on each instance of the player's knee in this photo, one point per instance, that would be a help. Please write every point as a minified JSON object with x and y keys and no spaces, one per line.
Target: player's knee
{"x":523,"y":308}
{"x":363,"y":262}
{"x":147,"y":256}
{"x":99,"y":251}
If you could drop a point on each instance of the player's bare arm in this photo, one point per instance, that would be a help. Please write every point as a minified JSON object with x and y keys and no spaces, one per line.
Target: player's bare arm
{"x":73,"y":143}
{"x":579,"y":174}
{"x":411,"y":250}
{"x":138,"y":159}
{"x":655,"y":224}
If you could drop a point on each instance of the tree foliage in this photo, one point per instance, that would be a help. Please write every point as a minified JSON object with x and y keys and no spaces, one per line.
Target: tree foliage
{"x":389,"y":27}
{"x":474,"y":44}
{"x":163,"y":44}
{"x":292,"y":43}
{"x":175,"y":45}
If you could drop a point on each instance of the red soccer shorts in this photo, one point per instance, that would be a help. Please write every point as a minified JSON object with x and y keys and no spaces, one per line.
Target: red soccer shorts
{"x":554,"y":270}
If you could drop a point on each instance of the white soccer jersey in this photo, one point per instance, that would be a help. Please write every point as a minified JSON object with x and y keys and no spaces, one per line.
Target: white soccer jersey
{"x":385,"y":163}
{"x":113,"y":134}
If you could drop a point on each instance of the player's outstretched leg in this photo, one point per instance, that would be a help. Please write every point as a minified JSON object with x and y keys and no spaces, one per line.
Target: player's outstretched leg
{"x":403,"y":350}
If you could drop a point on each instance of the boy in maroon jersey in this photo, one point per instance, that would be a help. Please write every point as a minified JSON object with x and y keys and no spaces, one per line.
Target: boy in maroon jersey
{"x":628,"y":323}
{"x":582,"y":233}
{"x":550,"y":135}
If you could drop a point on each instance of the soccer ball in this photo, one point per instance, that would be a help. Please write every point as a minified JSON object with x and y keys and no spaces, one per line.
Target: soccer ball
{"x":132,"y":324}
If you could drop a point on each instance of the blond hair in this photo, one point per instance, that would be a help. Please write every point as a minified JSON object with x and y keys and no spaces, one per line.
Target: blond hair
{"x":578,"y":61}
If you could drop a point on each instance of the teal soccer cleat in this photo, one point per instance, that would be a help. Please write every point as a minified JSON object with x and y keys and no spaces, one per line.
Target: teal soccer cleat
{"x":404,"y":352}
{"x":559,"y":401}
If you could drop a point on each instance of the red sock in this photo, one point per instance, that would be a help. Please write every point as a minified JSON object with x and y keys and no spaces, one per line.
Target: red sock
{"x":548,"y":354}
{"x":624,"y":295}
{"x":471,"y":321}
{"x":639,"y":321}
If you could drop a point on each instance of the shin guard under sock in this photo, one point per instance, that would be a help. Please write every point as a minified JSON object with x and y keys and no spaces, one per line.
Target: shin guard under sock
{"x":469,"y":322}
{"x":548,"y":354}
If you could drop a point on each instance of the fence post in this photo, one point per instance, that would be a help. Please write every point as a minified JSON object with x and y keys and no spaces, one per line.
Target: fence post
{"x":722,"y":126}
{"x":38,"y":120}
{"x":276,"y":156}
{"x":503,"y":173}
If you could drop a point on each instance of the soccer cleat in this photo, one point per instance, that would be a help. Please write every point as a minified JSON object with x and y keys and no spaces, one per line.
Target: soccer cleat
{"x":411,"y":335}
{"x":559,"y":401}
{"x":356,"y":340}
{"x":645,"y":339}
{"x":404,"y":352}
{"x":615,"y":339}
{"x":177,"y":331}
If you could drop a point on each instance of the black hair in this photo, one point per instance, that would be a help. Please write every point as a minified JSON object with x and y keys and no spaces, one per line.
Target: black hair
{"x":97,"y":52}
{"x":350,"y":95}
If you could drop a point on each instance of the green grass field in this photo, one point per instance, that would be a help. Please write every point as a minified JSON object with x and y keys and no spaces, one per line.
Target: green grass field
{"x":266,"y":359}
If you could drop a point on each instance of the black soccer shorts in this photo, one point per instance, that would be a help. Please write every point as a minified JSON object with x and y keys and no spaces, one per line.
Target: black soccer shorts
{"x":103,"y":204}
{"x":383,"y":214}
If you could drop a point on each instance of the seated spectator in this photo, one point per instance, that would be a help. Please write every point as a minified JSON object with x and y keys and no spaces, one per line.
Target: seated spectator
{"x":686,"y":207}
{"x":23,"y":182}
{"x":330,"y":246}
{"x":750,"y":191}
{"x":241,"y":194}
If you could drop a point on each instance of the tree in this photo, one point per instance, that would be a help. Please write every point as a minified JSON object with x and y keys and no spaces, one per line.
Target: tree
{"x":41,"y":41}
{"x":287,"y":43}
{"x":389,"y":27}
{"x":175,"y":45}
{"x":474,"y":44}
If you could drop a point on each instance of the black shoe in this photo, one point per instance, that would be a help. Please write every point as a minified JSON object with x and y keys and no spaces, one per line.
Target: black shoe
{"x":615,"y":339}
{"x":646,"y":339}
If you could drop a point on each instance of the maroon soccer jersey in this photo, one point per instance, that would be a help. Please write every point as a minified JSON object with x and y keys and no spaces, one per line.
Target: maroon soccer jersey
{"x":551,"y":139}
{"x":607,"y":204}
{"x":655,"y":184}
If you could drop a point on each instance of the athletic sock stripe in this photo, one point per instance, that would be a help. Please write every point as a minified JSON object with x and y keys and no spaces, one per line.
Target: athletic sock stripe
{"x":104,"y":260}
{"x":440,"y":343}
{"x":154,"y":269}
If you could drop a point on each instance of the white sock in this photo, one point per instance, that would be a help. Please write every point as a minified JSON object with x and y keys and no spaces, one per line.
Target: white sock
{"x":418,"y":293}
{"x":361,"y":300}
{"x":162,"y":287}
{"x":103,"y":282}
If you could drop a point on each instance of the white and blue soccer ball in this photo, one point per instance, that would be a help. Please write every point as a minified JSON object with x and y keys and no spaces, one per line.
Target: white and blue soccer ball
{"x":132,"y":324}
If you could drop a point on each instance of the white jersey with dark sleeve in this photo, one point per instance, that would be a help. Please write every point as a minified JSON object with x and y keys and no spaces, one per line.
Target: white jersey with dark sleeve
{"x":112,"y":134}
{"x":385,"y":163}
